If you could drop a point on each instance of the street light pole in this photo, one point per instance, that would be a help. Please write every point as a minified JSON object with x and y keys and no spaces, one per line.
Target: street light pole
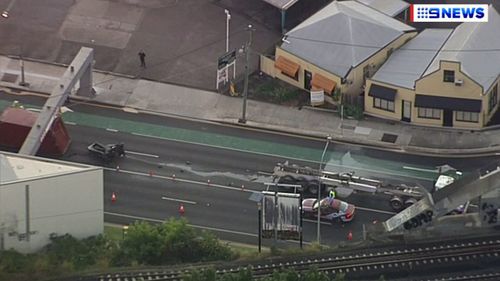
{"x":243,"y":119}
{"x":228,"y":17}
{"x":318,"y":234}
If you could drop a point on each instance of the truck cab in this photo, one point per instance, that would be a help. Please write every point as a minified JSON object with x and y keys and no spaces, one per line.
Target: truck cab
{"x":446,"y":178}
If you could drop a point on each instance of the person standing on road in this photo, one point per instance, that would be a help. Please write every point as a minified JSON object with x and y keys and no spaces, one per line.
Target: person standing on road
{"x":142,"y":57}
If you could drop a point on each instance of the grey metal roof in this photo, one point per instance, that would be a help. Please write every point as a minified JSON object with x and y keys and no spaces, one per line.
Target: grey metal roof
{"x":476,"y":46}
{"x":407,"y":64}
{"x":281,"y":4}
{"x":389,"y":7}
{"x":342,"y":35}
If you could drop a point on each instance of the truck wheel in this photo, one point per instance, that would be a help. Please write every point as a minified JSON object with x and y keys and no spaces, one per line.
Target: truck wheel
{"x":396,"y":203}
{"x":312,"y":187}
{"x":409,"y":202}
{"x":303,"y":182}
{"x":286,"y":179}
{"x":415,"y":222}
{"x":407,"y":225}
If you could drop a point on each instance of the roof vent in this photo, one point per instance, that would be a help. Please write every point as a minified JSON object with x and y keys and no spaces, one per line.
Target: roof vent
{"x":459,"y":82}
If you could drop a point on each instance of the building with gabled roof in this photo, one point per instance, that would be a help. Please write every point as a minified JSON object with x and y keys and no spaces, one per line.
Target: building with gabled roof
{"x":41,"y":197}
{"x":337,"y":48}
{"x":441,"y":77}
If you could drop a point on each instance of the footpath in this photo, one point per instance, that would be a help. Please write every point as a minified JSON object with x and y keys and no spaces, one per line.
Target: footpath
{"x":160,"y":98}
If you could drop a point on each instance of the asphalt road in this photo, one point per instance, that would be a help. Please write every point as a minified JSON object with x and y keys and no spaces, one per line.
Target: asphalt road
{"x":223,"y":206}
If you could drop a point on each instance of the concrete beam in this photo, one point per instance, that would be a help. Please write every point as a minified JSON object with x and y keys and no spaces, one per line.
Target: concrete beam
{"x":80,"y":69}
{"x":450,"y":197}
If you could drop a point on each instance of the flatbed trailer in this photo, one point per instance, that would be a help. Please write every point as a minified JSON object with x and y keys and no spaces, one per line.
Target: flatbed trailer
{"x":401,"y":196}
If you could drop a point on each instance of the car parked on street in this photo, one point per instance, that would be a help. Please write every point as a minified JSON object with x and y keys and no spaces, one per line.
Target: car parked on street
{"x":331,"y":209}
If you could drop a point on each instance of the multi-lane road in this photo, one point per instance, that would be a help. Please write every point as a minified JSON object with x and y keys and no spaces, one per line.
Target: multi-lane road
{"x":216,"y":168}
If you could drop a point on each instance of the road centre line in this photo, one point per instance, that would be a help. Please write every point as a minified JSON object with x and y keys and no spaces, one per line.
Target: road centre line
{"x":315,"y":222}
{"x":179,"y":180}
{"x":196,"y":226}
{"x":178,"y":200}
{"x":376,"y":211}
{"x":192,"y":225}
{"x":419,"y":169}
{"x":281,"y":156}
{"x":142,"y":154}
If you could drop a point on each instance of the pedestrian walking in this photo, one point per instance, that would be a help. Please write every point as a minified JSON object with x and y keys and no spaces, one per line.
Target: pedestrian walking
{"x":142,"y":57}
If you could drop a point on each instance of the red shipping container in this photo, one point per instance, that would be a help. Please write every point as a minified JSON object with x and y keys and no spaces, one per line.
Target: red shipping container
{"x":15,"y":124}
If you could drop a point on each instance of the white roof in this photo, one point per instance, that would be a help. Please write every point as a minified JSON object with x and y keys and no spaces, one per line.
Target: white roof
{"x":343,"y":35}
{"x":476,"y":46}
{"x":407,"y":64}
{"x":389,"y":7}
{"x":17,"y":167}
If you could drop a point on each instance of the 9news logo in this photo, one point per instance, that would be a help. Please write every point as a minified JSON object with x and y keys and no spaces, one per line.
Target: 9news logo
{"x":449,"y":13}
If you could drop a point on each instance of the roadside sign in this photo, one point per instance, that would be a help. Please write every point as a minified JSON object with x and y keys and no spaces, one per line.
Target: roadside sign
{"x":226,"y":59}
{"x":317,"y":97}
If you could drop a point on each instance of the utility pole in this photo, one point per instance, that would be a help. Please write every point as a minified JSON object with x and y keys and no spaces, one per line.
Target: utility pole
{"x":21,"y":62}
{"x":318,"y":231}
{"x":243,"y":119}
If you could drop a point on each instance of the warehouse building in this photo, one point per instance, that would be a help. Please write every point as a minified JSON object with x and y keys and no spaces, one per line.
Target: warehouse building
{"x":43,"y":197}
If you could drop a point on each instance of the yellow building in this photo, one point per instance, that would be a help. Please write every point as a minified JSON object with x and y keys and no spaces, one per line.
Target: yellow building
{"x":337,"y":48}
{"x":442,"y":77}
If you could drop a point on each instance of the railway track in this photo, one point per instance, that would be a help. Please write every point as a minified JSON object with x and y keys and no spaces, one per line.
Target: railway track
{"x":355,"y":265}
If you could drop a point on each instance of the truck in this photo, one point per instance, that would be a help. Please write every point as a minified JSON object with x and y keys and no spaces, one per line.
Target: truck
{"x":16,"y":123}
{"x":344,"y":183}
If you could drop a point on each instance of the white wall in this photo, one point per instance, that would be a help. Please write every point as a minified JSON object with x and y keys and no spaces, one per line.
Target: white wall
{"x":70,"y":203}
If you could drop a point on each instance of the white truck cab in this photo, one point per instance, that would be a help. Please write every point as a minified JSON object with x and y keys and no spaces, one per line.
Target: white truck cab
{"x":445,"y":180}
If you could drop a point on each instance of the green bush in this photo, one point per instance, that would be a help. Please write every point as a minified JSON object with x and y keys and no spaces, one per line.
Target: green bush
{"x":353,"y":111}
{"x":171,"y":242}
{"x":275,"y":93}
{"x":14,"y":262}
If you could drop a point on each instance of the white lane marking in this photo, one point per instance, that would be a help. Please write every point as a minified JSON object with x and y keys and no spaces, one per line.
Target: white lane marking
{"x":178,"y":200}
{"x":220,"y":186}
{"x":197,"y":226}
{"x":130,"y":110}
{"x":316,"y":222}
{"x":192,"y":225}
{"x":281,"y":156}
{"x":142,"y":154}
{"x":419,"y":169}
{"x":179,"y":180}
{"x":111,"y":130}
{"x":376,"y":211}
{"x":69,"y":123}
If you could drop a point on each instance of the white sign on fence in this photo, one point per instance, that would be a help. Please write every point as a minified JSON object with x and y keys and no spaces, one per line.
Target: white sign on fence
{"x":317,"y":97}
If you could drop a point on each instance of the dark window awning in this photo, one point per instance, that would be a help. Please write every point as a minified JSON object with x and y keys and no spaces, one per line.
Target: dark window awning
{"x":456,"y":104}
{"x":382,"y":92}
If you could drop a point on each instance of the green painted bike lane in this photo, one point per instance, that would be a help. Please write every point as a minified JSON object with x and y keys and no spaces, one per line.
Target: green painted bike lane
{"x":335,"y":160}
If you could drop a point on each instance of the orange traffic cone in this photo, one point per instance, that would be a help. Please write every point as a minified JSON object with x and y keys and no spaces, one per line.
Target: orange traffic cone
{"x":349,"y":235}
{"x":181,"y":209}
{"x":113,"y":197}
